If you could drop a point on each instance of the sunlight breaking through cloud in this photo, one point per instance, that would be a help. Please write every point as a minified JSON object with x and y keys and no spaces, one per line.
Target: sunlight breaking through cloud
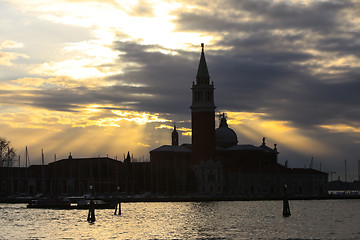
{"x":255,"y":126}
{"x":341,"y":128}
{"x":138,"y":117}
{"x":87,"y":70}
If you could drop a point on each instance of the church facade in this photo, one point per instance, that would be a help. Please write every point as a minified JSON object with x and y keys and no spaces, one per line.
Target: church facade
{"x":214,"y":164}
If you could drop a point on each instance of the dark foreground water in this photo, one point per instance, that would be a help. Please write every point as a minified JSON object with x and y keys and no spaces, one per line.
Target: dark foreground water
{"x":319,"y":219}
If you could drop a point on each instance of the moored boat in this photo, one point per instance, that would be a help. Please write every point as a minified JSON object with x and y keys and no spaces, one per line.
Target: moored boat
{"x":56,"y":203}
{"x":66,"y":203}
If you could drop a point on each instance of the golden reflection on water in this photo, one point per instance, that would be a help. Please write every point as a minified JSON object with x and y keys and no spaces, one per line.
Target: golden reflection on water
{"x":332,"y":219}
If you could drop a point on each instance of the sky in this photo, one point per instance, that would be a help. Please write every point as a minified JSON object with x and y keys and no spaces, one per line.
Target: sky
{"x":101,"y":78}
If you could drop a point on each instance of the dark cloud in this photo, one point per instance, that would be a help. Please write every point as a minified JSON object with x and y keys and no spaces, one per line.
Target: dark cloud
{"x":167,"y":78}
{"x":342,"y":43}
{"x":317,"y":16}
{"x":234,"y":16}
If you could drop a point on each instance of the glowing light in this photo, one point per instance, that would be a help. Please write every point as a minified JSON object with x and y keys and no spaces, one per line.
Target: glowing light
{"x":94,"y":108}
{"x":162,"y":126}
{"x":279,"y":126}
{"x":240,"y":117}
{"x":341,"y":128}
{"x":143,"y":145}
{"x":139,"y":117}
{"x":78,"y":69}
{"x":189,"y":133}
{"x":253,"y":126}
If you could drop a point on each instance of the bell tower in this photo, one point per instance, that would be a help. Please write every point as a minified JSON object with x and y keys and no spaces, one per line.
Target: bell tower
{"x":203,"y":113}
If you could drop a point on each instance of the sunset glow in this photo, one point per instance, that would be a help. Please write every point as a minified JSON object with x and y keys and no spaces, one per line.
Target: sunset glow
{"x":107,"y":77}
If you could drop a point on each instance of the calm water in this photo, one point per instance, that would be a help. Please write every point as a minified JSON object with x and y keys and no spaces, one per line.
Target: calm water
{"x":328,"y":219}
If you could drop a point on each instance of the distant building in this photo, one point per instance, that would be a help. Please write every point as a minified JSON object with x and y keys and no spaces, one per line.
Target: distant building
{"x":338,"y":187}
{"x":77,"y":176}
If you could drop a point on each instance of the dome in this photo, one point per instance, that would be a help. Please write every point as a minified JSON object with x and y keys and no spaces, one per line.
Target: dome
{"x":225,"y":136}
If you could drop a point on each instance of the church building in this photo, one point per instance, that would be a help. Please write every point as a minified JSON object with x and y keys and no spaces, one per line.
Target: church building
{"x":214,"y":164}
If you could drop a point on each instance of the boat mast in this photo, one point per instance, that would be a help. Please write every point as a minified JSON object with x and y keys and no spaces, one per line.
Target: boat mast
{"x":26,"y":157}
{"x":345,"y":172}
{"x":359,"y":170}
{"x":42,"y":171}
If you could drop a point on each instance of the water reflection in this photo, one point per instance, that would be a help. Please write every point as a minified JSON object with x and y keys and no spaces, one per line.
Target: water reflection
{"x":332,"y":219}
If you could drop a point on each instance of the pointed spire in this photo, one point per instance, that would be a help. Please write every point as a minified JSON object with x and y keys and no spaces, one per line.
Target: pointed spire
{"x":202,"y":76}
{"x":127,"y":159}
{"x":174,"y":137}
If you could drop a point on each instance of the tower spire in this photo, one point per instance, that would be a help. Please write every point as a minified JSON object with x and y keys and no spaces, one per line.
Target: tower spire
{"x":203,"y":113}
{"x":202,"y":76}
{"x":174,"y":137}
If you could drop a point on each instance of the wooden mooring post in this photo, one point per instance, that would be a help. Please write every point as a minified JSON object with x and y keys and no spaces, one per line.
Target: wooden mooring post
{"x":118,"y":208}
{"x":91,"y":214}
{"x":286,"y":206}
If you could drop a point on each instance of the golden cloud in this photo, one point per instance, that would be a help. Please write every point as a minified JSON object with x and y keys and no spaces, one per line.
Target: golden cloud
{"x":162,"y":126}
{"x":279,"y":126}
{"x":143,"y":145}
{"x":254,"y":126}
{"x":241,"y":117}
{"x":138,"y":117}
{"x":344,"y":128}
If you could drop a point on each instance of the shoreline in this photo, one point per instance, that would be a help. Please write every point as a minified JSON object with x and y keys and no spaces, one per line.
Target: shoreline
{"x":199,"y":198}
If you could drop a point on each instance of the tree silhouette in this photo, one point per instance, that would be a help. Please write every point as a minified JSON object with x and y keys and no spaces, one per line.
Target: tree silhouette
{"x":7,"y":153}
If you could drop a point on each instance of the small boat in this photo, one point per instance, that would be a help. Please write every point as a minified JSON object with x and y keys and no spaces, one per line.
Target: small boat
{"x":56,"y":203}
{"x":66,"y":203}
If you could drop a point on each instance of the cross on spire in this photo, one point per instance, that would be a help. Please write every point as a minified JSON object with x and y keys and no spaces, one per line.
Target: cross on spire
{"x":222,"y":115}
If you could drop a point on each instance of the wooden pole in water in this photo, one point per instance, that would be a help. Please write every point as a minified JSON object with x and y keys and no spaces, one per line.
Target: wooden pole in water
{"x":91,"y":214}
{"x":119,"y":208}
{"x":286,"y":206}
{"x":116,"y":208}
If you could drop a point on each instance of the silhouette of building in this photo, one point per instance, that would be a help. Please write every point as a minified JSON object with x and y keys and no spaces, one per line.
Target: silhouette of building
{"x":214,"y":164}
{"x":77,"y":176}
